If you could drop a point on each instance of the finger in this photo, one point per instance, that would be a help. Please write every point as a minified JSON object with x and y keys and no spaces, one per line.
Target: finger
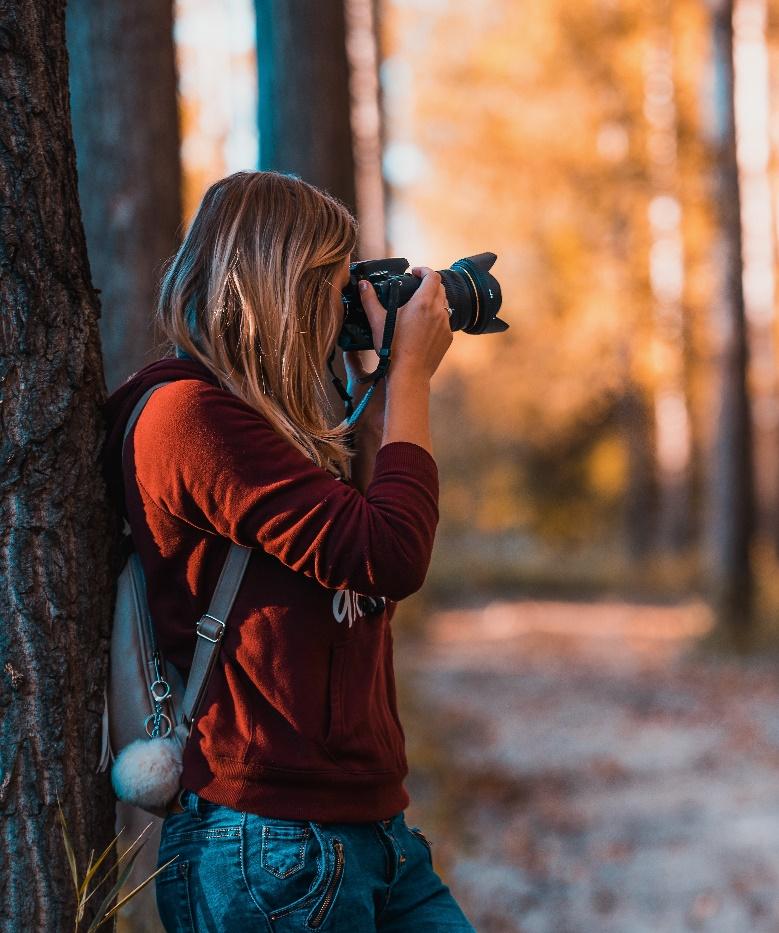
{"x":421,"y":271}
{"x":374,"y":309}
{"x":353,"y":365}
{"x":429,"y":287}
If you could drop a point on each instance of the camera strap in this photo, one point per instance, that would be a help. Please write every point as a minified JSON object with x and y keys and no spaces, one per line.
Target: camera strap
{"x":352,"y":413}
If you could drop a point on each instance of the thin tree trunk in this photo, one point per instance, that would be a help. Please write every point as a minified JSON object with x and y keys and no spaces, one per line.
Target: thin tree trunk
{"x":55,"y":530}
{"x":304,"y":104}
{"x":673,"y":435}
{"x":750,"y":57}
{"x":125,"y":123}
{"x":363,"y":52}
{"x":640,"y":502}
{"x":730,"y":495}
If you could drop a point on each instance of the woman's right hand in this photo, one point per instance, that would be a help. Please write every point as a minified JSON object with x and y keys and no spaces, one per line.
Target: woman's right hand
{"x":422,"y":332}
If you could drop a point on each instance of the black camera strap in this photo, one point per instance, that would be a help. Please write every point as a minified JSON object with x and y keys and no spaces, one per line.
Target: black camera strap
{"x":352,"y":413}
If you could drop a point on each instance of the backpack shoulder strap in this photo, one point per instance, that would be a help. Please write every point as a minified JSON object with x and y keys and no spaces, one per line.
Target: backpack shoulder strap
{"x":211,"y":628}
{"x":139,"y":406}
{"x":212,"y":625}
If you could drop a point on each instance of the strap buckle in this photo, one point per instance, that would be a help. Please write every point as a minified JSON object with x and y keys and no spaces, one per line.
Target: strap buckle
{"x":210,"y":628}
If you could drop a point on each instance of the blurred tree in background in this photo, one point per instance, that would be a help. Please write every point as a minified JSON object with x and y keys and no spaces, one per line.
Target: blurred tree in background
{"x":605,"y":440}
{"x":304,"y":115}
{"x":126,"y":128}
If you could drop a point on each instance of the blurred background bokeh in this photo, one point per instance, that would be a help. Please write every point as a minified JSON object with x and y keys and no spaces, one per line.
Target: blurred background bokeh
{"x":589,"y":677}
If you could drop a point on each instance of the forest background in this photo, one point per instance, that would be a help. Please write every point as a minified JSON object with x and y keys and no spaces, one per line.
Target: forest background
{"x":602,"y":442}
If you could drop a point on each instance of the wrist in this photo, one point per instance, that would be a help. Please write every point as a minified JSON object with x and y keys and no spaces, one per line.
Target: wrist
{"x":408,"y":374}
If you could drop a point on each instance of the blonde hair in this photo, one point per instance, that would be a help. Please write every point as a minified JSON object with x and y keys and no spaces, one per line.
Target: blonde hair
{"x":250,"y":295}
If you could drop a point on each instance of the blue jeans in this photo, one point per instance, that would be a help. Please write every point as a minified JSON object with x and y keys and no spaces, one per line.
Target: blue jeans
{"x":242,"y":872}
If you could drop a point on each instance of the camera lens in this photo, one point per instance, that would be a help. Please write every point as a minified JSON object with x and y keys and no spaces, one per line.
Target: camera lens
{"x":474,"y":294}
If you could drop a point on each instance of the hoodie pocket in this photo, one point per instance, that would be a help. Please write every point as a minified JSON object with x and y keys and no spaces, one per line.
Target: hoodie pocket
{"x":363,"y":735}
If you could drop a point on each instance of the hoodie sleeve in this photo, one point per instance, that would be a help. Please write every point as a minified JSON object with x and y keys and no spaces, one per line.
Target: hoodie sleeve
{"x":208,"y":458}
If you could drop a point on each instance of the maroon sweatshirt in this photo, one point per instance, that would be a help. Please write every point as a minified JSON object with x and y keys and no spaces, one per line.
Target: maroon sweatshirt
{"x":299,"y":720}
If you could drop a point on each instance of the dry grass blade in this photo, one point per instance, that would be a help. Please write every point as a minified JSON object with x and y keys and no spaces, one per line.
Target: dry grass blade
{"x":134,"y":891}
{"x":105,"y":906}
{"x":71,"y":855}
{"x":92,"y":868}
{"x":105,"y":910}
{"x":119,"y":860}
{"x":134,"y":843}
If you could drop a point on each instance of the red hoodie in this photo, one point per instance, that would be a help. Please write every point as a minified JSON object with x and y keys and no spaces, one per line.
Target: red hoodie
{"x":300,"y":719}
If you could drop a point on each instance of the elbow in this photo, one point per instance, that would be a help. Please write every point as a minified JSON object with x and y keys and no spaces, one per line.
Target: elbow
{"x":402,"y":578}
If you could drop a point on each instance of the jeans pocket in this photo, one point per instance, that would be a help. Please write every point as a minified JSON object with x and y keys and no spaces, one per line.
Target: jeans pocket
{"x":282,"y":864}
{"x":172,"y":892}
{"x":283,"y":851}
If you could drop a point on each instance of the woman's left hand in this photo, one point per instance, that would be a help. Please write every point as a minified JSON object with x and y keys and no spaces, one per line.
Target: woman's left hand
{"x":354,"y":363}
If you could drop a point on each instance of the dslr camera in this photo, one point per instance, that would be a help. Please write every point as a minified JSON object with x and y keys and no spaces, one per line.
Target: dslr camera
{"x":472,"y":292}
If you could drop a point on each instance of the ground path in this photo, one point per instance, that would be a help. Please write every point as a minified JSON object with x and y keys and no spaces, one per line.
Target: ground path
{"x":580,"y":769}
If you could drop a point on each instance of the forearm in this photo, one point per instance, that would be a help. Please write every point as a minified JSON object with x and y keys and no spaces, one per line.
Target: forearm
{"x":367,"y":441}
{"x":407,"y":412}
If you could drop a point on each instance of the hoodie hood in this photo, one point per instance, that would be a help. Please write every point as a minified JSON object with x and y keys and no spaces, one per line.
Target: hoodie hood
{"x":120,"y":404}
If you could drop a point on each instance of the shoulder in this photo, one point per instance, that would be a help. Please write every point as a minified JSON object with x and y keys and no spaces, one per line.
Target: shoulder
{"x":192,"y":410}
{"x":193,"y":428}
{"x":189,"y":421}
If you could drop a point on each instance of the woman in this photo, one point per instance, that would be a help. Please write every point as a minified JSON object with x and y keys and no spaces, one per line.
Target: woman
{"x":291,"y":809}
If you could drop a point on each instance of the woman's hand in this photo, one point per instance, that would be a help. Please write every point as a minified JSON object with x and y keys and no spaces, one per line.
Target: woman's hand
{"x":372,"y":418}
{"x":422,"y":332}
{"x":369,"y":429}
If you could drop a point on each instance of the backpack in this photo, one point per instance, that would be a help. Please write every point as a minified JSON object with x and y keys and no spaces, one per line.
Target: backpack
{"x":149,"y":707}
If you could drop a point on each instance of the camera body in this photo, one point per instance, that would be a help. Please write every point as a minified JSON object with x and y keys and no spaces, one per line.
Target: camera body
{"x":473,"y":294}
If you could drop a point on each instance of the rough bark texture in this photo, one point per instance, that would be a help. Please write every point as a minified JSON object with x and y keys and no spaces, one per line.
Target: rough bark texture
{"x":730,"y":494}
{"x":55,"y":531}
{"x":125,"y":124}
{"x":304,"y":93}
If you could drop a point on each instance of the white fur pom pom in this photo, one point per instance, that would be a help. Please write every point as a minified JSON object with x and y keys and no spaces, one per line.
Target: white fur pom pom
{"x":146,"y":773}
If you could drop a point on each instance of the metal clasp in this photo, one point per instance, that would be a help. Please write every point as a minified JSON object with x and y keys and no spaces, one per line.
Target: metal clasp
{"x":217,"y":635}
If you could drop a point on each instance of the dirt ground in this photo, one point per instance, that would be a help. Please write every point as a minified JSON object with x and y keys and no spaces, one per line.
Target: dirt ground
{"x":583,"y":767}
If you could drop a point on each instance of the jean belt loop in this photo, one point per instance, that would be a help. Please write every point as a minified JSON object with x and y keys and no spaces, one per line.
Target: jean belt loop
{"x":192,"y":802}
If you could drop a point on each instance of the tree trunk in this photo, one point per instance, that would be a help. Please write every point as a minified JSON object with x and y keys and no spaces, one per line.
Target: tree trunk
{"x":730,"y":495}
{"x":363,"y":57}
{"x":55,"y":529}
{"x":753,"y":134}
{"x":640,"y":501}
{"x":672,"y":422}
{"x":304,"y":105}
{"x":125,"y":124}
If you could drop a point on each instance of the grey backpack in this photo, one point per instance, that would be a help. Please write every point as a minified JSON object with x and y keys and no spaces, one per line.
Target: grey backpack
{"x":149,"y":708}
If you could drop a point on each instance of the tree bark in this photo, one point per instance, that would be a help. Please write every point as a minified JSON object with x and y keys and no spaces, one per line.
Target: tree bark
{"x":55,"y":528}
{"x":730,"y":511}
{"x":304,"y":104}
{"x":125,"y":124}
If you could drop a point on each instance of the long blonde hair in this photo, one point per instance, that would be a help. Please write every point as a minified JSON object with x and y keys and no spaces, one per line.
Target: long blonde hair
{"x":250,"y":295}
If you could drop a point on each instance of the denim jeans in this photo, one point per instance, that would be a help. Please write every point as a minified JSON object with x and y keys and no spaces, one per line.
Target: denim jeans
{"x":241,"y":872}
